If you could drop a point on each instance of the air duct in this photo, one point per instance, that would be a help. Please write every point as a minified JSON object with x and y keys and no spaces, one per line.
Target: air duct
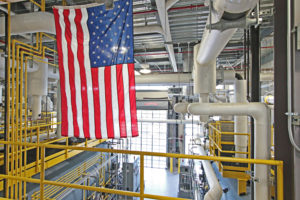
{"x":30,"y":23}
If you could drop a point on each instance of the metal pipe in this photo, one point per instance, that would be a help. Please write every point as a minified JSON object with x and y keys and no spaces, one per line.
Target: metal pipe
{"x":30,"y":23}
{"x":289,"y":78}
{"x":164,"y":78}
{"x":7,"y":96}
{"x":214,"y":41}
{"x":261,"y":114}
{"x":215,"y":190}
{"x":148,"y":29}
{"x":171,"y":121}
{"x":240,"y":122}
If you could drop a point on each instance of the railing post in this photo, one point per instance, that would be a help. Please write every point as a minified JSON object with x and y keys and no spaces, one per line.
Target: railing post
{"x":67,"y":144}
{"x":280,"y":181}
{"x":171,"y":165}
{"x":37,"y":150}
{"x":178,"y":169}
{"x":42,"y":174}
{"x":141,"y":177}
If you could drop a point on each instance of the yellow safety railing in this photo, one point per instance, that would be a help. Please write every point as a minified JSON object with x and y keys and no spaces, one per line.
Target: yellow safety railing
{"x":216,"y":143}
{"x":54,"y":192}
{"x":141,"y":194}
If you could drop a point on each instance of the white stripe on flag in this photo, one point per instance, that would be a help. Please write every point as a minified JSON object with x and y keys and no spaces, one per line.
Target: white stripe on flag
{"x":87,"y":67}
{"x":101,"y":83}
{"x":114,"y":100}
{"x":66,"y":70}
{"x":74,"y":47}
{"x":127,"y":100}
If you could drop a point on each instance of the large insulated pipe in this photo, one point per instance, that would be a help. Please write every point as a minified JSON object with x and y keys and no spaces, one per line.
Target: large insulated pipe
{"x":30,"y":23}
{"x":37,"y":87}
{"x":171,"y":121}
{"x":261,"y":114}
{"x":215,"y":189}
{"x":53,"y":72}
{"x":204,"y":77}
{"x":164,"y":78}
{"x":240,"y":122}
{"x":214,"y":41}
{"x":204,"y":80}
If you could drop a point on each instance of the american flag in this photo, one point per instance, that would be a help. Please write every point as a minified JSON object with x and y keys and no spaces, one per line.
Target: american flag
{"x":95,"y":52}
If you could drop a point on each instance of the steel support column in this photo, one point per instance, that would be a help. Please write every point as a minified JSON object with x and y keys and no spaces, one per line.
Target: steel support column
{"x":255,"y":83}
{"x":283,"y":148}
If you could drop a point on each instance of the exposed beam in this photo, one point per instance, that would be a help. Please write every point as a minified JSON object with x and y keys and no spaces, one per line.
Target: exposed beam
{"x":164,"y":19}
{"x":170,"y":3}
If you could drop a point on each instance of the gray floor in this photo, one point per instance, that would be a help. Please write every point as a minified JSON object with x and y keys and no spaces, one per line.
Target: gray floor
{"x":161,"y":182}
{"x":231,"y":184}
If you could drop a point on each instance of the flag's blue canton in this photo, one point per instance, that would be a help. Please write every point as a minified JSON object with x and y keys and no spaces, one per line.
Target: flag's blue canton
{"x":111,"y":34}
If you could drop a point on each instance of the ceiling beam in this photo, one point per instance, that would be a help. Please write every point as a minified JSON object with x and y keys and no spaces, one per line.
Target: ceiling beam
{"x":164,"y":20}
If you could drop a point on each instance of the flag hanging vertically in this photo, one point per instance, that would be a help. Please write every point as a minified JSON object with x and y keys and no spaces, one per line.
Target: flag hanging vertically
{"x":95,"y":52}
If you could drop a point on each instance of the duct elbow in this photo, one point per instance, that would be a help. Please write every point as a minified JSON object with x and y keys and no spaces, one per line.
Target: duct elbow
{"x":215,"y":193}
{"x":181,"y":108}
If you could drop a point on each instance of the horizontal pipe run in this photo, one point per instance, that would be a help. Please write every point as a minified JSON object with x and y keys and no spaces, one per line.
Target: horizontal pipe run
{"x":171,"y":9}
{"x":171,"y":121}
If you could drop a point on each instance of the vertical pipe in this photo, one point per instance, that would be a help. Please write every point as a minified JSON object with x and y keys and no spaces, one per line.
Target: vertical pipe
{"x":7,"y":98}
{"x":36,"y":106}
{"x":241,"y":122}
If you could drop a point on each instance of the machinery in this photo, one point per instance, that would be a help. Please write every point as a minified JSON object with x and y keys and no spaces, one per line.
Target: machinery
{"x":186,"y":180}
{"x":131,"y":178}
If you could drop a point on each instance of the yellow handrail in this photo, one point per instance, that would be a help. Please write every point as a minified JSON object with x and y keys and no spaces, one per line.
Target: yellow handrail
{"x":141,"y":194}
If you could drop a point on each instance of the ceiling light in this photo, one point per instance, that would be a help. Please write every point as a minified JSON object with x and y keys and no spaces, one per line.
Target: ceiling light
{"x":145,"y":71}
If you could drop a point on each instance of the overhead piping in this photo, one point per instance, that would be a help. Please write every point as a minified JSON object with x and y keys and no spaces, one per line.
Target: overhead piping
{"x":261,"y":114}
{"x":30,"y":23}
{"x":215,"y":190}
{"x":170,"y":121}
{"x":180,"y":79}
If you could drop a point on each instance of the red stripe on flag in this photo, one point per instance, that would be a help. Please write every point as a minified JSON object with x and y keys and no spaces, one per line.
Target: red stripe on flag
{"x":68,"y":36}
{"x":120,"y":87}
{"x":95,"y":82}
{"x":64,"y":107}
{"x":80,"y":57}
{"x":108,"y":101}
{"x":132,"y":96}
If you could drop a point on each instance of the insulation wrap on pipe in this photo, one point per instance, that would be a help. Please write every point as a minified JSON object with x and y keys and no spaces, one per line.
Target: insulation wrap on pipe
{"x":241,"y":122}
{"x":261,"y":114}
{"x":215,"y":191}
